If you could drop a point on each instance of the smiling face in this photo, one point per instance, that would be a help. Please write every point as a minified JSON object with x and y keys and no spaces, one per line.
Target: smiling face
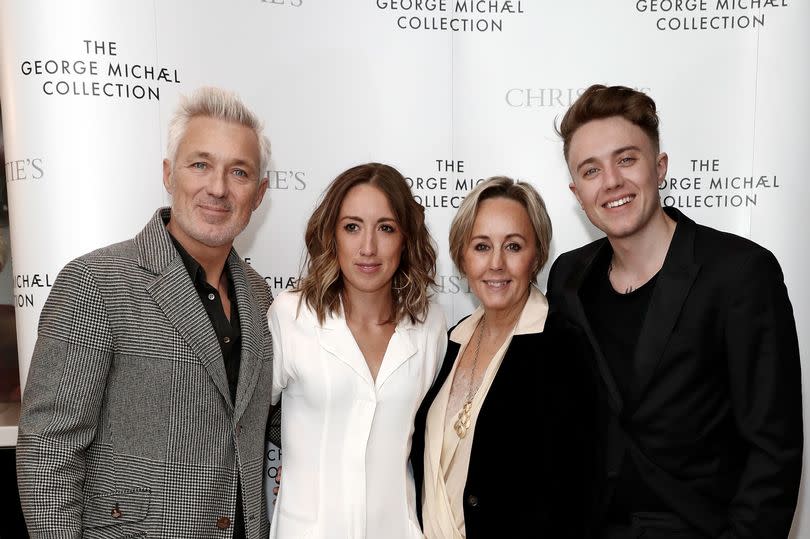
{"x":214,"y":183}
{"x":369,"y":241}
{"x":615,"y":174}
{"x":501,"y":255}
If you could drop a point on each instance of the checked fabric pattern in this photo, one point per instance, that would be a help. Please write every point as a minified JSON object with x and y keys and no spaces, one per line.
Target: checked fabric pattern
{"x":127,"y":427}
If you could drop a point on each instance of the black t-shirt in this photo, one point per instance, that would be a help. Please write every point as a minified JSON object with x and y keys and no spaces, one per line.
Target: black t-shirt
{"x":616,"y":319}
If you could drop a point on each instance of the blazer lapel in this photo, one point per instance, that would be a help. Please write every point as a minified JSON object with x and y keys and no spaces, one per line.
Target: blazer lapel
{"x":173,"y":291}
{"x":671,"y":290}
{"x":572,"y":287}
{"x":251,"y":323}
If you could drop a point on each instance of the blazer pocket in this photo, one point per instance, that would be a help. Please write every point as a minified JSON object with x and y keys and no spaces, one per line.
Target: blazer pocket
{"x":116,"y":507}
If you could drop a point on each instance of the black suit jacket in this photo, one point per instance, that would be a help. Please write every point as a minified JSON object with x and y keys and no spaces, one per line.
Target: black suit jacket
{"x":714,"y":420}
{"x":516,"y":487}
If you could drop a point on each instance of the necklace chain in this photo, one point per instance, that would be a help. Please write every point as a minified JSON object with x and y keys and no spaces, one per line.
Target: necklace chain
{"x":462,"y":424}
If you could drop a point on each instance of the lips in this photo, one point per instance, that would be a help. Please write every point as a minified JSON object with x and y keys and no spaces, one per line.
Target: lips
{"x":619,"y":202}
{"x":214,"y":208}
{"x":368,"y":268}
{"x":497,"y":284}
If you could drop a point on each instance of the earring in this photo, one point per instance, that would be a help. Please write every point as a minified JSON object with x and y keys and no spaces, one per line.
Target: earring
{"x":397,"y":278}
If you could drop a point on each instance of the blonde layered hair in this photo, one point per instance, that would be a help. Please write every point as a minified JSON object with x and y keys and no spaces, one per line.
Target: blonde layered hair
{"x":322,"y":284}
{"x":501,"y":187}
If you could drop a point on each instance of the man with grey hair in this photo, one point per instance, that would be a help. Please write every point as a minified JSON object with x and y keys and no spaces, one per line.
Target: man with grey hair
{"x":145,"y":410}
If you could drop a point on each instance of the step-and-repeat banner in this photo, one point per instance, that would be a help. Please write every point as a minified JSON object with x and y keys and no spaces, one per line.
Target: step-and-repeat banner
{"x":448,"y":91}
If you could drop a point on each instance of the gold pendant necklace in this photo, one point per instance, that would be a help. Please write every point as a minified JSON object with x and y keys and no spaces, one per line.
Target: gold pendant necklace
{"x":462,"y":424}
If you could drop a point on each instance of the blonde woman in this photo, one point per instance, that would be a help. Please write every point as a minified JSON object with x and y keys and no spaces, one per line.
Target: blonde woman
{"x":356,"y":348}
{"x":504,"y":444}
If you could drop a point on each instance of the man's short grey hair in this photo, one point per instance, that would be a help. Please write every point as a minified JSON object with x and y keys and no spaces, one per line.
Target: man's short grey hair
{"x":219,"y":104}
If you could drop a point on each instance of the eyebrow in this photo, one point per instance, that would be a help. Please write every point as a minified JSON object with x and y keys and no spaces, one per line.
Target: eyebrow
{"x":485,"y":237}
{"x":380,"y":220}
{"x":208,"y":155}
{"x":204,"y":155}
{"x":613,"y":154}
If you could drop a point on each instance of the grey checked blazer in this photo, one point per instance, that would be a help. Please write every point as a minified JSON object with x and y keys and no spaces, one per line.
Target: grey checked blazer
{"x":127,"y":427}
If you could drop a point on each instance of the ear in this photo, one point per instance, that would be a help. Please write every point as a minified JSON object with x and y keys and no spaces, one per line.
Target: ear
{"x":661,"y":165}
{"x":260,"y":193}
{"x":167,"y":175}
{"x":573,"y":187}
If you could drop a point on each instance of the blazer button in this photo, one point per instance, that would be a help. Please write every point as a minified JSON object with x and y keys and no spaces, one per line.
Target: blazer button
{"x":116,"y":512}
{"x":223,"y":523}
{"x":472,"y":500}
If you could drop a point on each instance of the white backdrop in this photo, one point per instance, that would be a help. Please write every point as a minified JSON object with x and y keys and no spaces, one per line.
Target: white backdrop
{"x":449,"y":92}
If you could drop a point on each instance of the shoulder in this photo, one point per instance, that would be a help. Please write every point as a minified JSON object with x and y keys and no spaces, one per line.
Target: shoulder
{"x":711,"y":243}
{"x":435,"y":317}
{"x":571,"y":260}
{"x":124,"y":252}
{"x":105,"y":263}
{"x":585,"y":251}
{"x":457,"y":324}
{"x":285,"y":307}
{"x":735,"y":257}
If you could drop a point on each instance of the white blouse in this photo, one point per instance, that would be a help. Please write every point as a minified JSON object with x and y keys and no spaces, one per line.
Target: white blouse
{"x":346,"y":437}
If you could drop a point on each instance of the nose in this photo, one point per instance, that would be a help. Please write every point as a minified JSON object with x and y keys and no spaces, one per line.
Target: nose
{"x":496,"y":260}
{"x":368,"y":247}
{"x":613,"y":177}
{"x":218,"y":184}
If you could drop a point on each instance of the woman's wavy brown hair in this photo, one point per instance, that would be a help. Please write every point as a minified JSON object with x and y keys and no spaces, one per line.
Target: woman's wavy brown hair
{"x":322,"y":284}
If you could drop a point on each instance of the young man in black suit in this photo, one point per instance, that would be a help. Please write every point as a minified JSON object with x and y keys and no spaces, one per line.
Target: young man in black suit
{"x":694,"y":340}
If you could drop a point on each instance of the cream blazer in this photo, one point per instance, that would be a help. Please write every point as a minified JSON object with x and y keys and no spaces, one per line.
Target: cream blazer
{"x":346,"y":438}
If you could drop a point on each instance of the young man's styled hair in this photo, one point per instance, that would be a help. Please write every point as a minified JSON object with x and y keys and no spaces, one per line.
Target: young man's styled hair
{"x":600,"y":101}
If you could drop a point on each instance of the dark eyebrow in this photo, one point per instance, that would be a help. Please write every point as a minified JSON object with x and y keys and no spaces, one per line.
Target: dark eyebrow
{"x":380,"y":220}
{"x":613,"y":153}
{"x":626,"y":149}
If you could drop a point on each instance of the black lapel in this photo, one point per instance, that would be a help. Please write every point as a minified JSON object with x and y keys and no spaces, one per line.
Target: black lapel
{"x":572,"y":287}
{"x":671,"y":289}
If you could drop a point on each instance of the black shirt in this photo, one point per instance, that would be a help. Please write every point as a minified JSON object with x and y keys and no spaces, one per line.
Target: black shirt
{"x":229,"y":332}
{"x":616,"y":321}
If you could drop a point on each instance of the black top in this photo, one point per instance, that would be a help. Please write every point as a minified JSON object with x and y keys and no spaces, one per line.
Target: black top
{"x":616,"y":320}
{"x":229,"y":332}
